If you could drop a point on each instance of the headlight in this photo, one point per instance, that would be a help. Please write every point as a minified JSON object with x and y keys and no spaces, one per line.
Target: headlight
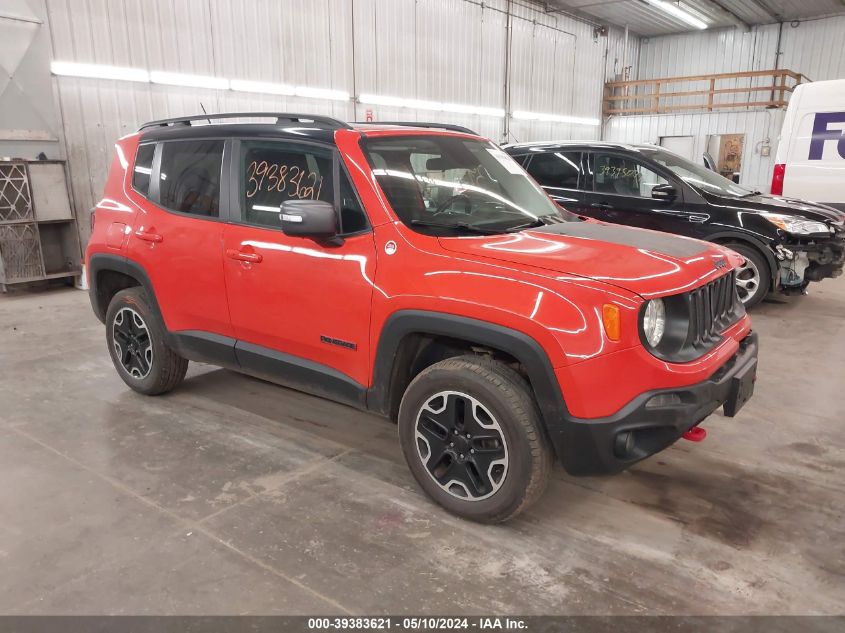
{"x":796,"y":224}
{"x":654,"y":321}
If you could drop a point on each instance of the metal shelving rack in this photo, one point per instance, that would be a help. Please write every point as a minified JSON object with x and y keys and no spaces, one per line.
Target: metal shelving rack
{"x":39,"y":238}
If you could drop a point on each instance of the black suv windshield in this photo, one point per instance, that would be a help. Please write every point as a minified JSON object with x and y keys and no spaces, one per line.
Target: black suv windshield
{"x":697,"y":176}
{"x":448,"y":184}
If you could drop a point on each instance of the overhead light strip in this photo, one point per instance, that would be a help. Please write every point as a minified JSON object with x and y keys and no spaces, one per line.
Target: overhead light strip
{"x":554,"y":118}
{"x":676,"y":11}
{"x":96,"y":71}
{"x":436,"y":106}
{"x":99,"y":71}
{"x":189,"y":81}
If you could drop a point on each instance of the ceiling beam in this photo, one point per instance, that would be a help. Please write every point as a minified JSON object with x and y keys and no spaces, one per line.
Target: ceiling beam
{"x":726,"y":13}
{"x":774,"y":15}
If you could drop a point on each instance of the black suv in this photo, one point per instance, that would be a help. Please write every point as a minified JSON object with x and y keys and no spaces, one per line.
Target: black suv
{"x":786,"y":243}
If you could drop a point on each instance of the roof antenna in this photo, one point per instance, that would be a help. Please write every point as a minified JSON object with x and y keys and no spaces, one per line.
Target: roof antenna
{"x":204,"y":112}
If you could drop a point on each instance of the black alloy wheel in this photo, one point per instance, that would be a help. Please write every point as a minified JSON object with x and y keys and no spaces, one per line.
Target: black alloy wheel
{"x":132,"y":343}
{"x":461,"y":445}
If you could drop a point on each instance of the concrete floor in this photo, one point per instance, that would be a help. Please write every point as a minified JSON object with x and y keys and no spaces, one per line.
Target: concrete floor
{"x":235,"y":496}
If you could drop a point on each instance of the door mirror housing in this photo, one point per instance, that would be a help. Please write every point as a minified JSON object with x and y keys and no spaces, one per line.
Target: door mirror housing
{"x":664,"y":192}
{"x":309,"y":218}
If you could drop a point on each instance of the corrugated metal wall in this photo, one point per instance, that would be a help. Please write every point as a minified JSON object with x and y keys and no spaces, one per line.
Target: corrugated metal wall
{"x":814,"y":48}
{"x":443,"y":50}
{"x":758,"y":126}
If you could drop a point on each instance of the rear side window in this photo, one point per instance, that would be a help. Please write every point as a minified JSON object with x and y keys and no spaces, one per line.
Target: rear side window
{"x":556,"y":169}
{"x":189,"y":177}
{"x":143,"y":168}
{"x":272,"y":173}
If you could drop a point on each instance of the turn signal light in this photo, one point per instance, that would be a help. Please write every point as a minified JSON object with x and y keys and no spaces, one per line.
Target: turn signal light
{"x":612,"y":322}
{"x":777,"y":179}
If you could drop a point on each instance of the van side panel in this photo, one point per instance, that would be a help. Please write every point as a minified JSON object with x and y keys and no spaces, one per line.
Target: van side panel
{"x":814,"y":141}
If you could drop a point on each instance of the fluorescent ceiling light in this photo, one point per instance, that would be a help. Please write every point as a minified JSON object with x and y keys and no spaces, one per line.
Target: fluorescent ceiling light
{"x":321,"y":93}
{"x":261,"y":87}
{"x":189,"y":81}
{"x":554,"y":118}
{"x":97,"y":71}
{"x":437,"y":106}
{"x":676,"y":11}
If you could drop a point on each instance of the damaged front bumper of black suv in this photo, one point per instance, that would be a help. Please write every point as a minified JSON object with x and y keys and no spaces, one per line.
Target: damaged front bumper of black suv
{"x":803,"y":261}
{"x":654,"y":420}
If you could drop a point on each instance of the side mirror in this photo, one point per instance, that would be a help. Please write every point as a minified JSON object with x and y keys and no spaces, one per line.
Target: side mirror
{"x":664,"y":192}
{"x":309,"y":218}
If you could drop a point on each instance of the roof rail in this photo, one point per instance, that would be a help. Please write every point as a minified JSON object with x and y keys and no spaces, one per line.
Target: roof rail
{"x":443,"y":126}
{"x":281,"y":117}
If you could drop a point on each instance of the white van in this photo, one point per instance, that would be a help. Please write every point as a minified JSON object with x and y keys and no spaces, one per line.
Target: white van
{"x":810,"y":161}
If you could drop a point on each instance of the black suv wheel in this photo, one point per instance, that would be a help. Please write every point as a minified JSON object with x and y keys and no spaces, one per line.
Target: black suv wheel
{"x":470,"y":431}
{"x":137,"y":345}
{"x":753,"y":278}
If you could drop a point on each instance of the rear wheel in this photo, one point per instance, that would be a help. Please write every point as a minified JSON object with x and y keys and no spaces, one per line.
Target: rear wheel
{"x":470,"y":431}
{"x":753,"y":278}
{"x":136,"y":340}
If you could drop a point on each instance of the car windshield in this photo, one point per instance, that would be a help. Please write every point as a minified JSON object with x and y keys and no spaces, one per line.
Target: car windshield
{"x":447,"y":184}
{"x":697,"y":176}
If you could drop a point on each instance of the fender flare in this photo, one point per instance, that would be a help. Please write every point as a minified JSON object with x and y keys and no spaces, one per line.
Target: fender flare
{"x":524,"y":348}
{"x":100,"y":262}
{"x":761,"y":246}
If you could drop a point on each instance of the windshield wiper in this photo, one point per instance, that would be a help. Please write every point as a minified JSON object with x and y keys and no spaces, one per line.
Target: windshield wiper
{"x":460,"y":226}
{"x":544,"y":220}
{"x":753,"y":193}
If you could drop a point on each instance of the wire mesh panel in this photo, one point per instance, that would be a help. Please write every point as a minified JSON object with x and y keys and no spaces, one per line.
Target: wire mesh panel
{"x":20,"y":251}
{"x":15,"y":196}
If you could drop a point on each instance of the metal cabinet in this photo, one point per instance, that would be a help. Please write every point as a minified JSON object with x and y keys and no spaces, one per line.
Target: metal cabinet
{"x":39,"y":238}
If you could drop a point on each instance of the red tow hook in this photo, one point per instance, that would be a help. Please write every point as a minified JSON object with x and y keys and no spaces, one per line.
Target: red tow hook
{"x":695,"y":434}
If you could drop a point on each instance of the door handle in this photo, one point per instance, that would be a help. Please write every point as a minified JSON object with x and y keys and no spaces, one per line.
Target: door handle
{"x":147,"y":236}
{"x":602,"y":205}
{"x":252,"y":258}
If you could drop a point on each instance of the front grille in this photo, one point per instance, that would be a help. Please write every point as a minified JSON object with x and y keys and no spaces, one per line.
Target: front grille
{"x":712,"y":308}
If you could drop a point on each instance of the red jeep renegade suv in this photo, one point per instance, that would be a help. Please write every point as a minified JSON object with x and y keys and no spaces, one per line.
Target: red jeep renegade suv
{"x":416,"y":271}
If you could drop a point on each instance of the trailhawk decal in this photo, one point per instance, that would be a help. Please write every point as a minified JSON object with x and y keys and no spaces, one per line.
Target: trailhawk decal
{"x":339,"y":342}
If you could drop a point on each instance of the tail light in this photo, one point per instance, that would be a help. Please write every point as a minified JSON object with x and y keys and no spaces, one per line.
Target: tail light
{"x":777,"y":179}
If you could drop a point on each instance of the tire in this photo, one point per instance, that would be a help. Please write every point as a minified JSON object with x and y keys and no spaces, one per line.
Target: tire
{"x":136,"y":342}
{"x":755,"y":267}
{"x":475,"y":394}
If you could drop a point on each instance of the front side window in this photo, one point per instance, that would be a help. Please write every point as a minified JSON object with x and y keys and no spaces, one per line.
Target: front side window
{"x":556,"y":169}
{"x":189,"y":177}
{"x":624,"y":176}
{"x":272,"y":173}
{"x":698,"y":176}
{"x":143,"y":168}
{"x":448,"y":183}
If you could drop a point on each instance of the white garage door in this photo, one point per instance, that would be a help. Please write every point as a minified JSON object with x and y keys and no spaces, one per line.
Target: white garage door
{"x":682,"y":145}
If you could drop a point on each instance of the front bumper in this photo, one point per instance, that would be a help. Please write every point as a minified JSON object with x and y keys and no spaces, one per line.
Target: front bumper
{"x":646,"y":426}
{"x":803,"y":262}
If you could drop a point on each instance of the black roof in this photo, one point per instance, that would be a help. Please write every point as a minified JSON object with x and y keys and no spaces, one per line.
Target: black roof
{"x":525,"y":148}
{"x":284,"y":125}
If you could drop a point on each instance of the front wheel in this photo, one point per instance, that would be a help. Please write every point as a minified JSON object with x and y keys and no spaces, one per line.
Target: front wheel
{"x":471,"y":434}
{"x":753,"y":278}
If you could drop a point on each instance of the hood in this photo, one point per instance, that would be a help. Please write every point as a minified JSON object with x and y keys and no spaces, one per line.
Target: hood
{"x":786,"y":206}
{"x":648,"y":263}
